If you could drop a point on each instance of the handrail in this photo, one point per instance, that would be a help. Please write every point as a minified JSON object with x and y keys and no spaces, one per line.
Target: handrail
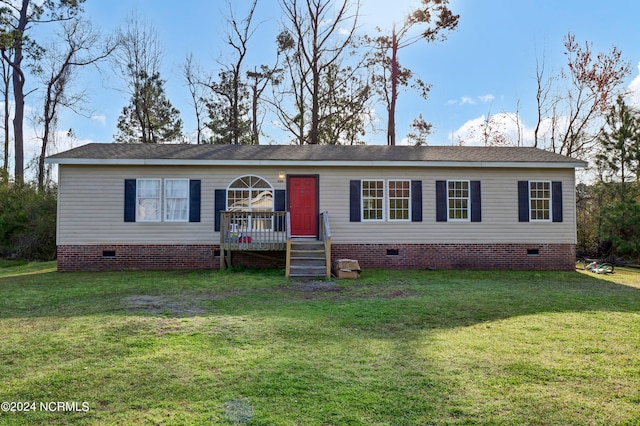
{"x":288,"y":253}
{"x":325,"y":235}
{"x":255,"y":230}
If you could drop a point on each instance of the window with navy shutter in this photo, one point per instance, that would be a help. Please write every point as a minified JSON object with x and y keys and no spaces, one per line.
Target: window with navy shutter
{"x":129,"y":200}
{"x":416,"y":201}
{"x":354,"y":201}
{"x":139,"y":202}
{"x":194,"y":200}
{"x":219,"y":204}
{"x":540,"y":201}
{"x":380,"y":200}
{"x":458,"y":200}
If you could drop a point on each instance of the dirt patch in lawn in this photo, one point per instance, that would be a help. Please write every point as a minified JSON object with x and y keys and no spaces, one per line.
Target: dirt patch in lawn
{"x":311,"y":286}
{"x":163,"y":306}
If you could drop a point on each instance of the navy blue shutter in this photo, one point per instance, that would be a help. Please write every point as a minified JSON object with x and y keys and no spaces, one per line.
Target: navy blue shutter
{"x":129,"y":200}
{"x":441,"y":200}
{"x":220,"y":204}
{"x":354,"y":201}
{"x":416,"y":201}
{"x":476,"y":201}
{"x":194,"y":200}
{"x":279,"y":205}
{"x":556,"y":201}
{"x":523,"y":201}
{"x":279,"y":202}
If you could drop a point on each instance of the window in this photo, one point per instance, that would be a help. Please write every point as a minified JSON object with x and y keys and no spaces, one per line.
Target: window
{"x":251,"y":194}
{"x":176,"y":200}
{"x":148,"y":202}
{"x":399,"y":199}
{"x":377,"y":200}
{"x":372,"y":200}
{"x":458,"y":200}
{"x":539,"y":201}
{"x":143,"y":200}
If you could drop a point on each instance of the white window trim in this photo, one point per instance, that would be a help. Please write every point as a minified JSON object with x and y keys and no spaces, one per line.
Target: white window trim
{"x":251,"y":190}
{"x":388,"y":199}
{"x":384,"y":200}
{"x":531,"y":219}
{"x":138,"y":218}
{"x":164,"y":203}
{"x":468,"y":218}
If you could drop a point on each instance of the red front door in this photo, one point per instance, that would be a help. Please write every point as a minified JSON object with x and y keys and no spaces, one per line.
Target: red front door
{"x":303,"y":205}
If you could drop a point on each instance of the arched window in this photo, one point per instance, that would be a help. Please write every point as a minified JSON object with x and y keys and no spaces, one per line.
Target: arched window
{"x":250,"y":193}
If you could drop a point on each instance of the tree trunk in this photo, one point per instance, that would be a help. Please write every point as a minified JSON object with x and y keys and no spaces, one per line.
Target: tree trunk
{"x":6,"y":124}
{"x":255,"y":139}
{"x":18,"y":95}
{"x":18,"y":119}
{"x":391,"y":123}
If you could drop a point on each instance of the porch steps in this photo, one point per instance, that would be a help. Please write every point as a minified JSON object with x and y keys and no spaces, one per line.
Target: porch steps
{"x":308,"y":259}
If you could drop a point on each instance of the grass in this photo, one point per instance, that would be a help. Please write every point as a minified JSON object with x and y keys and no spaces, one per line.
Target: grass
{"x":393,"y":348}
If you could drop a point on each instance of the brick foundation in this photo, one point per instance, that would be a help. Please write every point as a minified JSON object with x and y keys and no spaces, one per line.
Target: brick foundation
{"x":389,"y":256}
{"x":460,"y":256}
{"x":157,"y":257}
{"x":127,"y":257}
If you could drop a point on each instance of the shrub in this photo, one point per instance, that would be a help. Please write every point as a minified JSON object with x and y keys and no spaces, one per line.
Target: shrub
{"x":27,"y":222}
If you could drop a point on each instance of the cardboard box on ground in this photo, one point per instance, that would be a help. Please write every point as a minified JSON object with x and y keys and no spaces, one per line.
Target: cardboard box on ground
{"x":346,"y":268}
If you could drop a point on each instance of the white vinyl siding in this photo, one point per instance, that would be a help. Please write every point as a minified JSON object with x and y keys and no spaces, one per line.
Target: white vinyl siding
{"x":148,"y":200}
{"x":176,"y":200}
{"x":91,"y":200}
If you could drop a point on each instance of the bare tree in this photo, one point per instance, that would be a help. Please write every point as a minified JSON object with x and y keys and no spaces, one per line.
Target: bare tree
{"x":258,"y":82}
{"x":312,"y":48}
{"x":436,"y":19}
{"x":78,"y":45}
{"x":192,"y":75}
{"x":578,"y":109}
{"x":16,"y":21}
{"x":543,"y":89}
{"x":150,"y":117}
{"x":229,"y":104}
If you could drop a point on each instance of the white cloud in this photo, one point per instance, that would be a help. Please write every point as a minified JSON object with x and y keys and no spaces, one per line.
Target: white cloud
{"x":634,"y":90}
{"x":100,"y":118}
{"x":505,"y":128}
{"x":486,"y":98}
{"x":466,"y":100}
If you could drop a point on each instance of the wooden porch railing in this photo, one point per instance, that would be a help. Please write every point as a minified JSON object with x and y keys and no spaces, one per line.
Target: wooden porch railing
{"x":252,"y":231}
{"x":287,"y":270}
{"x":325,"y":235}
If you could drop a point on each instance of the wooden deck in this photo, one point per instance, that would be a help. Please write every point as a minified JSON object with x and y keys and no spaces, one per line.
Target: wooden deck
{"x":266,"y":231}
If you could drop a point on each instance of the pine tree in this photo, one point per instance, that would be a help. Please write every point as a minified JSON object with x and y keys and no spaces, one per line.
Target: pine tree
{"x":150,"y":117}
{"x":618,"y":163}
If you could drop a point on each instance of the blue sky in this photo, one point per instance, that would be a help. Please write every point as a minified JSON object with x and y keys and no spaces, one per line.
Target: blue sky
{"x":486,"y":66}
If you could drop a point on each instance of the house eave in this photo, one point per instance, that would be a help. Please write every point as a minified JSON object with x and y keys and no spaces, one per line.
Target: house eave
{"x":306,"y":163}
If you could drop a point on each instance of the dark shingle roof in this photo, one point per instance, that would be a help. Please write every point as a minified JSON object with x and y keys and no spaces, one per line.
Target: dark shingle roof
{"x":111,"y":153}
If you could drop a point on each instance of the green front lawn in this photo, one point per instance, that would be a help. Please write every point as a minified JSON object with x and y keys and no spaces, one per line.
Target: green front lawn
{"x":393,"y":348}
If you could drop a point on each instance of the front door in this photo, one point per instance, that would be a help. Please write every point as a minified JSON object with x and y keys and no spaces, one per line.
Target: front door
{"x":303,"y":205}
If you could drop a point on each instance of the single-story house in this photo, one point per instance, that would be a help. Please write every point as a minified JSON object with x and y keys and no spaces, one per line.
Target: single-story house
{"x":135,"y":206}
